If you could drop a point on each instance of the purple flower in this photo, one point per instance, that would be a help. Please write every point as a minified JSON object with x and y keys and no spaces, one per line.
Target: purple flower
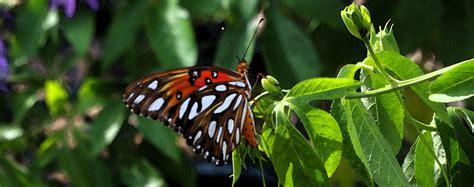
{"x":70,"y":6}
{"x":3,"y":67}
{"x":93,"y":4}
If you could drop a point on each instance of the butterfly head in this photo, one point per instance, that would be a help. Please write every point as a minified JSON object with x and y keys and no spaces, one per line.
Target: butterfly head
{"x":243,"y":66}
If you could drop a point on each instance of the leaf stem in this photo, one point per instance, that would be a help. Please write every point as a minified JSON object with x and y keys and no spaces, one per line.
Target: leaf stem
{"x":403,"y":83}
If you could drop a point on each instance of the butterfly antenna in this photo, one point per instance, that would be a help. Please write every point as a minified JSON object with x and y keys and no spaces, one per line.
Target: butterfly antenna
{"x":251,"y":40}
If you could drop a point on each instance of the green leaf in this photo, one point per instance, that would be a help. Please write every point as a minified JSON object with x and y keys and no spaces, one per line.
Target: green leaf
{"x":268,"y":139}
{"x":31,"y":24}
{"x":289,"y":54}
{"x":382,"y":162}
{"x":440,"y":154}
{"x":142,"y":173}
{"x":325,"y":135}
{"x":89,"y":94}
{"x":322,"y":89}
{"x":121,"y":33}
{"x":56,"y":96}
{"x":244,"y":9}
{"x":352,"y":148}
{"x":326,"y":11}
{"x":79,"y":30}
{"x":206,"y":8}
{"x":161,"y":137}
{"x":82,"y":170}
{"x":8,"y":133}
{"x":290,"y":147}
{"x":459,"y":148}
{"x":408,"y":165}
{"x":13,"y":173}
{"x":106,"y":126}
{"x":404,"y":69}
{"x":171,"y":35}
{"x":454,"y":85}
{"x":23,"y":102}
{"x":387,"y":111}
{"x":236,"y":166}
{"x":468,"y":118}
{"x":424,"y":162}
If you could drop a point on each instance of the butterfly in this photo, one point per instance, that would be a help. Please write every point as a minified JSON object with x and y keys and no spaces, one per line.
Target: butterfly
{"x":207,"y":105}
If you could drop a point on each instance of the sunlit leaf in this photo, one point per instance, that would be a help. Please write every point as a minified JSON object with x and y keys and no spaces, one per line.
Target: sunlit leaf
{"x":79,"y":31}
{"x":171,"y":35}
{"x":56,"y":95}
{"x":424,"y":160}
{"x":454,"y":85}
{"x":142,"y":173}
{"x":8,"y":132}
{"x":380,"y":157}
{"x":405,"y":69}
{"x":385,"y":108}
{"x":324,"y":133}
{"x":290,"y":147}
{"x":106,"y":126}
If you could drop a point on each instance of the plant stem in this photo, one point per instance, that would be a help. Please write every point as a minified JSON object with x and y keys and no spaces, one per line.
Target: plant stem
{"x":403,"y":83}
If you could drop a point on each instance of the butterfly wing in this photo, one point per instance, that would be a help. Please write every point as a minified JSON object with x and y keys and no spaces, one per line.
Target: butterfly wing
{"x":208,"y":105}
{"x":213,"y":118}
{"x":154,"y":95}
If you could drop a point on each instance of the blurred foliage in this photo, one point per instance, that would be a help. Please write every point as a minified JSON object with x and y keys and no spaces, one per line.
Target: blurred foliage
{"x":63,"y":122}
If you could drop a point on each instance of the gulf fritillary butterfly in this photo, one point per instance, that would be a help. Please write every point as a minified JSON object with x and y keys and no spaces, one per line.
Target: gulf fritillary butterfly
{"x":207,"y":105}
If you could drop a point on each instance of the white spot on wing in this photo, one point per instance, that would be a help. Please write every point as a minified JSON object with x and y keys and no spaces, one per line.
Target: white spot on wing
{"x":130,"y":96}
{"x":207,"y":101}
{"x":202,"y":88}
{"x":237,"y":136}
{"x":243,"y":114}
{"x":196,"y":138}
{"x":193,"y":112}
{"x":219,"y":134}
{"x":139,"y":99}
{"x":237,"y":83}
{"x":224,"y":149}
{"x":183,"y":107}
{"x":211,"y":129}
{"x":237,"y":103}
{"x":153,"y":85}
{"x":226,"y":104}
{"x":230,"y":126}
{"x":221,"y":88}
{"x":156,"y":105}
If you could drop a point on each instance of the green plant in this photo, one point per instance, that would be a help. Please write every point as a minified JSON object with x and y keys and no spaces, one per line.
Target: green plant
{"x":366,"y":127}
{"x":63,"y":122}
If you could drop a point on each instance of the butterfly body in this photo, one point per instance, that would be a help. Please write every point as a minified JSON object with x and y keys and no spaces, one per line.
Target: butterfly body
{"x":207,"y":105}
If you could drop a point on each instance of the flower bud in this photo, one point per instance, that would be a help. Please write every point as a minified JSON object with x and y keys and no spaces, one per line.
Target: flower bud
{"x":384,"y":40}
{"x":357,"y":20}
{"x":271,"y":85}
